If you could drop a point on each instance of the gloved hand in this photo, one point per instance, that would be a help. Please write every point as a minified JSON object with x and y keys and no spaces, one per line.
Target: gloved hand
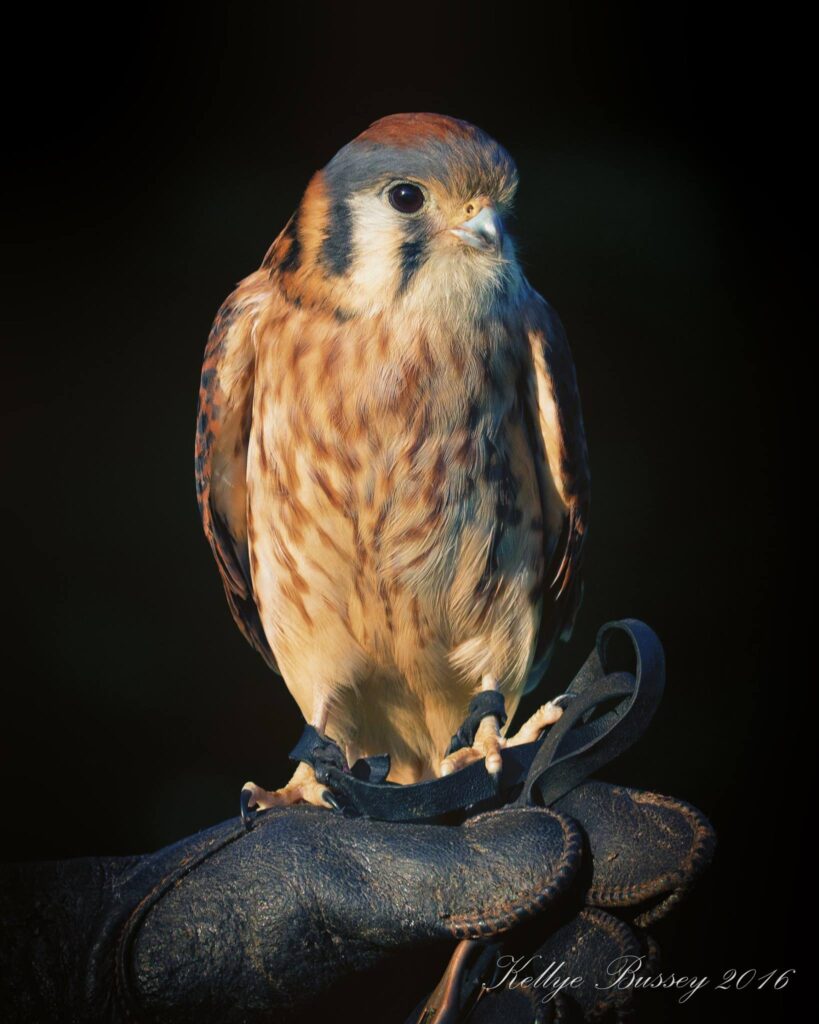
{"x":641,"y":854}
{"x":312,"y":913}
{"x":304,"y":914}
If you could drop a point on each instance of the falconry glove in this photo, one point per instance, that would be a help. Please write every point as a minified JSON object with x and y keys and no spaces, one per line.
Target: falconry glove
{"x":300,"y":913}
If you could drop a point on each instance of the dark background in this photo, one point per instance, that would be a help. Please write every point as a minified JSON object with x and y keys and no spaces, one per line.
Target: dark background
{"x":150,"y":163}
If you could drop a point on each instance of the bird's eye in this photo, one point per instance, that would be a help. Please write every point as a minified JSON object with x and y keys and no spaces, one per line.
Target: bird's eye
{"x":406,"y":198}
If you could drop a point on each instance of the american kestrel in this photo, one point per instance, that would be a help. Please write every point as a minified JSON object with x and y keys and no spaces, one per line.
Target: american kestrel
{"x":390,"y":457}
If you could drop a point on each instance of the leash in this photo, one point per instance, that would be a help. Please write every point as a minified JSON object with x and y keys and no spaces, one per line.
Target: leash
{"x":607,"y":709}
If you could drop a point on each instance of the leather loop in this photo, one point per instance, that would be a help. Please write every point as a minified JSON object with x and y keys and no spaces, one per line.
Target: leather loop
{"x":327,"y":757}
{"x":482,"y":705}
{"x":373,"y":769}
{"x":319,"y":751}
{"x":579,"y":744}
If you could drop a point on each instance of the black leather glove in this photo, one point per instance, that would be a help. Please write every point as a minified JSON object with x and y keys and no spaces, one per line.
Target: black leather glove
{"x":312,"y":915}
{"x":308,"y":912}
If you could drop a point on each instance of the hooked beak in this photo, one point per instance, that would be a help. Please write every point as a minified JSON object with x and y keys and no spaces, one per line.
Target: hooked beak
{"x":483,"y":231}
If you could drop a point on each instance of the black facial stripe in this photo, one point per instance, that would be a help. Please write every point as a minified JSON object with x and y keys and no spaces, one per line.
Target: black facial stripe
{"x":468,"y":165}
{"x":412,"y":254}
{"x":337,"y":248}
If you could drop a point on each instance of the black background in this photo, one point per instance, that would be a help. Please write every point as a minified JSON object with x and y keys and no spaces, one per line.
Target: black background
{"x":150,"y":162}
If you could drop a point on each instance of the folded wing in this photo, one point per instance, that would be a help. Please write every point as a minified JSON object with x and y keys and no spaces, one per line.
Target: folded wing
{"x":555,"y":411}
{"x":222,"y":434}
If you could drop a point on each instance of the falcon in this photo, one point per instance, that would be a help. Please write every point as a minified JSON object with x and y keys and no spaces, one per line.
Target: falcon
{"x":391,"y":463}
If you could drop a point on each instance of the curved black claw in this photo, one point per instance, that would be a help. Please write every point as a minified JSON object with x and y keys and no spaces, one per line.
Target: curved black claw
{"x":247,"y":812}
{"x":331,"y":800}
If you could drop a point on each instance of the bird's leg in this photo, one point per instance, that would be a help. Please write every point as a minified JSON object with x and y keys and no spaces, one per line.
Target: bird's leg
{"x":488,"y":741}
{"x":303,"y":787}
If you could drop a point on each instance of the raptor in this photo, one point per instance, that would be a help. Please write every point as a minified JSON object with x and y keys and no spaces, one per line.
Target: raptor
{"x":390,"y":458}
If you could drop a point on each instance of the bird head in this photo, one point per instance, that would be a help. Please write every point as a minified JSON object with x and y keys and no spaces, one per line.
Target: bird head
{"x":411,"y":212}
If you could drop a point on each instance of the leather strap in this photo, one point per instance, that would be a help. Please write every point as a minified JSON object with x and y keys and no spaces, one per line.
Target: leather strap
{"x":483,"y":704}
{"x":323,"y":754}
{"x":578,"y":744}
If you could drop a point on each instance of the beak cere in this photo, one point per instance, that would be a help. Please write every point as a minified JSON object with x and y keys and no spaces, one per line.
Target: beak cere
{"x":483,"y":231}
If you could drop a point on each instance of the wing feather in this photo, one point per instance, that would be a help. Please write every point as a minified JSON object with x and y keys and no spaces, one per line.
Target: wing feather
{"x":222,"y":434}
{"x":559,"y":420}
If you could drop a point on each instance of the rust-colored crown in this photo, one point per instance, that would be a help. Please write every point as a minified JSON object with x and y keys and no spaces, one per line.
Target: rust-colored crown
{"x":409,"y":129}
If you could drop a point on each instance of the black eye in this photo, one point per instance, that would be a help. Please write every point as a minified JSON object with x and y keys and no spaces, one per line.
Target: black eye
{"x":406,"y":198}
